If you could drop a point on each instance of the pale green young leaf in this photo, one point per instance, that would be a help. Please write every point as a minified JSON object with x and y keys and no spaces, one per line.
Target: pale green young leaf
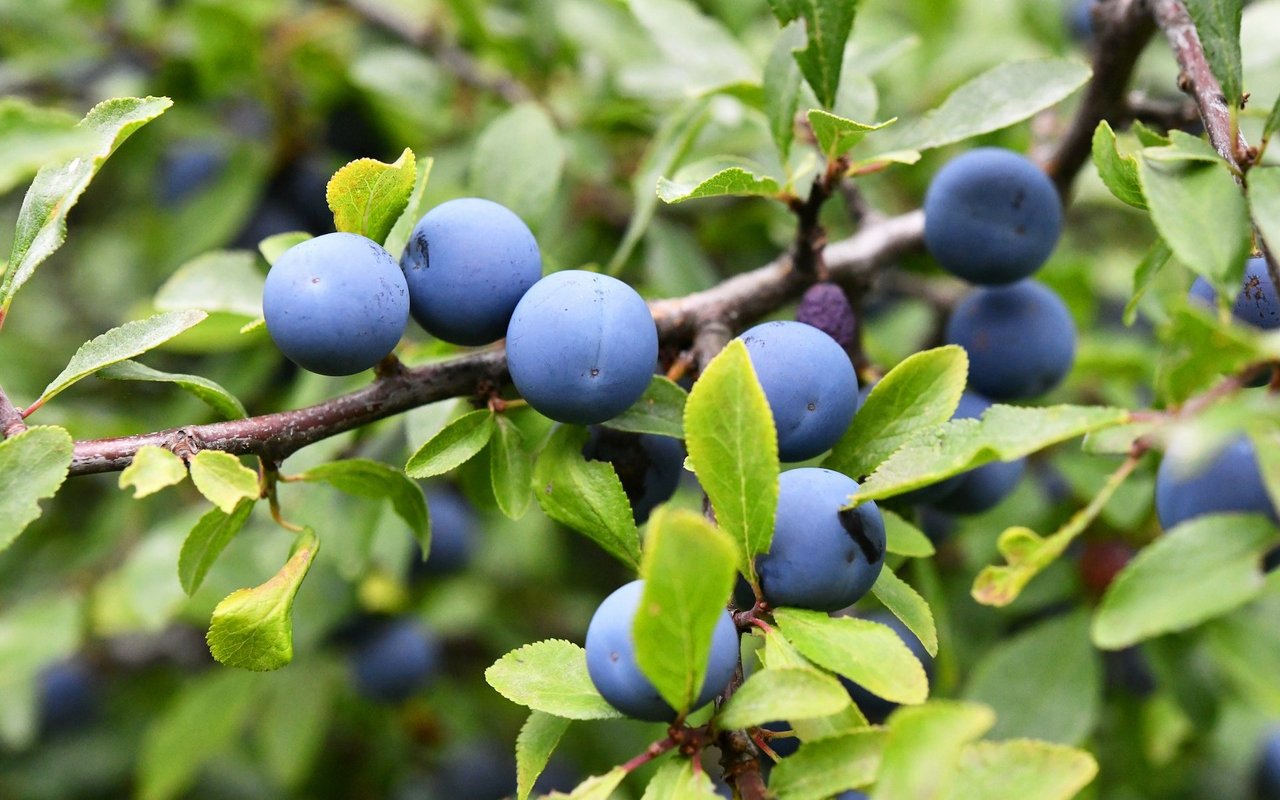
{"x":1177,"y":193}
{"x":1027,"y":554}
{"x":413,"y":211}
{"x":905,"y":539}
{"x":207,"y":540}
{"x":377,"y":481}
{"x":536,"y":742}
{"x":1119,"y":173}
{"x":999,"y":97}
{"x":1199,"y":570}
{"x":42,"y":221}
{"x":368,"y":196}
{"x":660,"y":410}
{"x":253,"y":628}
{"x":118,"y":344}
{"x":597,"y":787}
{"x":688,"y":570}
{"x":925,"y":742}
{"x":703,"y":179}
{"x":1264,"y":202}
{"x":865,"y":652}
{"x":821,"y":769}
{"x":1218,"y":25}
{"x":837,"y":135}
{"x":917,"y":395}
{"x":585,"y":495}
{"x":551,"y":677}
{"x":31,"y":137}
{"x":510,"y":469}
{"x":275,"y":246}
{"x":733,"y":445}
{"x":1005,"y":433}
{"x":706,"y":52}
{"x":1027,"y":770}
{"x":677,"y":780}
{"x":907,"y":605}
{"x":827,"y":24}
{"x":33,"y":465}
{"x":34,"y":632}
{"x":782,"y":89}
{"x":199,"y":724}
{"x":1010,"y":677}
{"x":224,"y":280}
{"x":790,"y":694}
{"x":152,"y":469}
{"x":294,"y":720}
{"x":453,"y":445}
{"x":518,"y":161}
{"x":213,"y":395}
{"x":223,"y":480}
{"x":1145,"y":274}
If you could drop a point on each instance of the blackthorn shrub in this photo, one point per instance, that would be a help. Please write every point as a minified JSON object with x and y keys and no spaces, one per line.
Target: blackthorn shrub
{"x":468,"y":262}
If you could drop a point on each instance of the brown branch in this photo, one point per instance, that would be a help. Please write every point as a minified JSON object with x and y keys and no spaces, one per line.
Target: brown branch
{"x":1121,"y":31}
{"x":11,"y":422}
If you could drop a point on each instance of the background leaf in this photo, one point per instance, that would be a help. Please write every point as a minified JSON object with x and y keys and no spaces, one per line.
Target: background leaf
{"x":224,"y":280}
{"x":708,"y":54}
{"x":924,"y":747}
{"x":907,"y":605}
{"x":1218,"y":23}
{"x":518,"y":162}
{"x":31,"y":137}
{"x":207,"y":540}
{"x":213,"y":395}
{"x":1022,"y":769}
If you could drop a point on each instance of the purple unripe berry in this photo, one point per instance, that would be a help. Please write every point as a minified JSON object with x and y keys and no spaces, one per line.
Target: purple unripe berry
{"x":825,"y":307}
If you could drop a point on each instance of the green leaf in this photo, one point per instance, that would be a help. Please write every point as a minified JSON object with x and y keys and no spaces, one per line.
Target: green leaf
{"x":773,"y":694}
{"x":782,"y":89}
{"x":294,"y":722}
{"x":1025,"y":770}
{"x":33,"y":465}
{"x":198,"y":725}
{"x":668,"y":148}
{"x":223,"y":480}
{"x":207,"y":540}
{"x":372,"y":479}
{"x":585,"y":495}
{"x":827,"y":23}
{"x":688,"y":569}
{"x":907,"y":605}
{"x":36,"y":631}
{"x":31,"y":137}
{"x":275,"y":246}
{"x":1177,"y":193}
{"x":733,"y":444}
{"x":905,"y":539}
{"x":1117,"y":441}
{"x":224,"y":280}
{"x":550,"y":677}
{"x":253,"y":628}
{"x":1118,"y":172}
{"x":1197,"y":571}
{"x":694,"y":182}
{"x":1011,"y":679}
{"x":538,"y":738}
{"x":118,"y":344}
{"x":1200,"y":348}
{"x":368,"y":196}
{"x":42,"y":221}
{"x":778,"y":653}
{"x":453,"y":446}
{"x":1028,"y":554}
{"x":153,"y":468}
{"x":1145,"y":275}
{"x":403,"y":229}
{"x":919,"y":394}
{"x":677,"y":780}
{"x":518,"y":162}
{"x":597,"y":787}
{"x":1264,"y":202}
{"x":999,"y":97}
{"x":837,"y":135}
{"x":707,"y":54}
{"x":659,"y":410}
{"x":510,"y":469}
{"x":827,"y":767}
{"x":213,"y":395}
{"x":925,"y":743}
{"x":1005,"y":433}
{"x":865,"y":652}
{"x":1218,"y":23}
